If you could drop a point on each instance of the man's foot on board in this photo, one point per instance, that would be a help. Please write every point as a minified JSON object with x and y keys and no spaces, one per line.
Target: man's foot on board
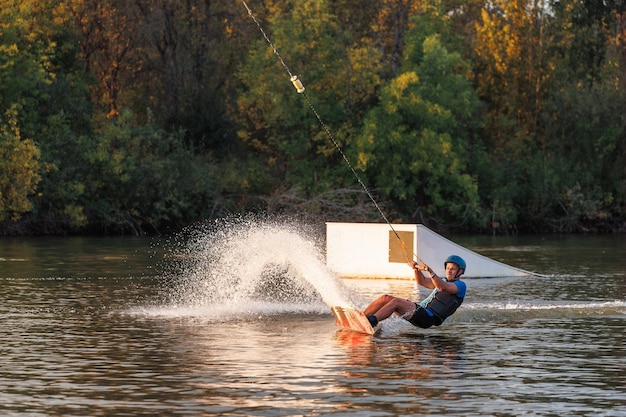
{"x":373,"y":320}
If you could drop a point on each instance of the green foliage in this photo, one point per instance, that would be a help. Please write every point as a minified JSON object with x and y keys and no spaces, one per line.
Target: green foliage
{"x":133,"y":117}
{"x":143,"y":177}
{"x":585,"y":126}
{"x":62,"y":188}
{"x":554,"y":106}
{"x":24,"y":65}
{"x":339,"y":78}
{"x":411,"y":147}
{"x":19,"y":171}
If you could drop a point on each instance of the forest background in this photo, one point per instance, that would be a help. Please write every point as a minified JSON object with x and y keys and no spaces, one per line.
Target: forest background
{"x":491,"y":116}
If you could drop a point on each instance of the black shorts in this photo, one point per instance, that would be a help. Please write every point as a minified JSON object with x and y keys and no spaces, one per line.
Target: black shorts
{"x":422,"y":319}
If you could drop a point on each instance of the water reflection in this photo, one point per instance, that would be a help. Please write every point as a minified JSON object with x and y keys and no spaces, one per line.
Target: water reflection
{"x":93,"y":336}
{"x":264,"y":366}
{"x":78,"y":257}
{"x":409,"y":368}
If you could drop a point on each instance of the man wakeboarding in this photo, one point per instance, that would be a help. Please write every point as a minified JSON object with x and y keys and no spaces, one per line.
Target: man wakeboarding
{"x":447,"y":295}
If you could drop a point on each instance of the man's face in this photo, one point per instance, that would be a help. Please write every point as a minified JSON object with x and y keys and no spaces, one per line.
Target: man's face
{"x":452,"y":270}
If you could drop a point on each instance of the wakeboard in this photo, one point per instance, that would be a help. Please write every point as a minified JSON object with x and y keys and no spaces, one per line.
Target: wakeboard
{"x":352,"y":319}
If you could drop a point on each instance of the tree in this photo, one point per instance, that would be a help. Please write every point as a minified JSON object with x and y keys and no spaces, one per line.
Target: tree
{"x":19,"y":172}
{"x":25,"y":65}
{"x":142,"y":178}
{"x":513,"y":72}
{"x":412,"y":148}
{"x":104,"y":28}
{"x":276,"y":122}
{"x":38,"y":85}
{"x":585,"y":129}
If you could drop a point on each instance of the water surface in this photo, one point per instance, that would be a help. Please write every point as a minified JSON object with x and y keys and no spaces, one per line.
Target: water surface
{"x":235,"y":322}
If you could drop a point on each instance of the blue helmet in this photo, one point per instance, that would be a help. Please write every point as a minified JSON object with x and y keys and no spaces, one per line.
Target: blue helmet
{"x":455,"y":259}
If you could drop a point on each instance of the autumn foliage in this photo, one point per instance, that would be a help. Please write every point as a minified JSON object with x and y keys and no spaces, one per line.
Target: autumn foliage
{"x":142,"y":117}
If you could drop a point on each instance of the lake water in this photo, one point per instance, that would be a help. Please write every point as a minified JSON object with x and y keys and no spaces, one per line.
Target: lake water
{"x":233,"y":320}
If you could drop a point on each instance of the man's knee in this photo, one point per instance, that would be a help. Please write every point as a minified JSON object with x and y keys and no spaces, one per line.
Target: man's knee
{"x":388,"y":298}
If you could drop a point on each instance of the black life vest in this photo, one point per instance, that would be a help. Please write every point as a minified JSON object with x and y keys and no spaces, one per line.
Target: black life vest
{"x":443,"y":305}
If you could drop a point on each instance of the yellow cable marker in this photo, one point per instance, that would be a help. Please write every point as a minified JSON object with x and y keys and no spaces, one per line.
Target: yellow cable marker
{"x":297,"y":83}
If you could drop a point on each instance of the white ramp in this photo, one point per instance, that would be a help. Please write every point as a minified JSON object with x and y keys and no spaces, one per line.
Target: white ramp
{"x":372,"y":250}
